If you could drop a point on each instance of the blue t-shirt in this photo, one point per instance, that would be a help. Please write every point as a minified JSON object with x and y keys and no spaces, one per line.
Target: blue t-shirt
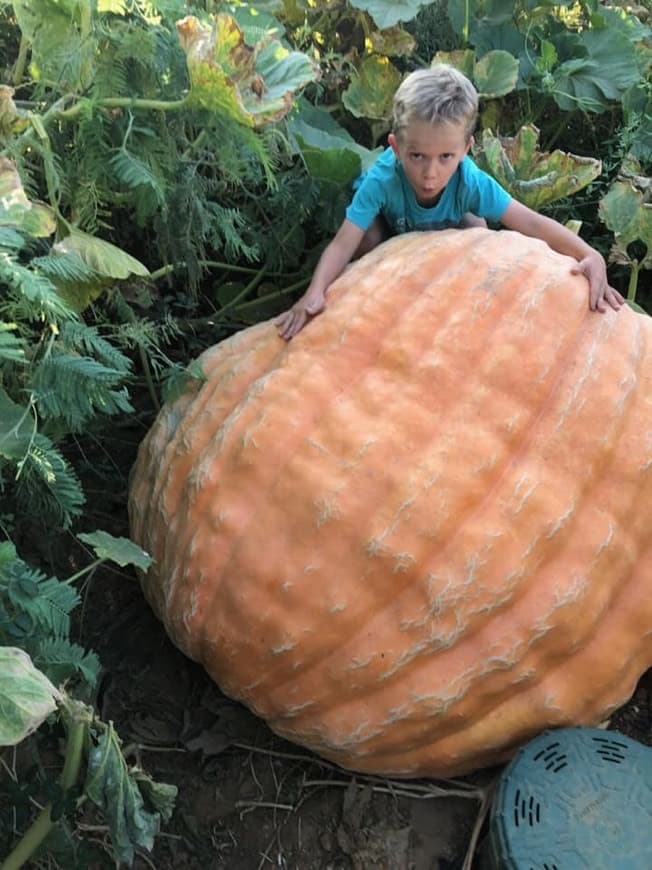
{"x":384,"y":189}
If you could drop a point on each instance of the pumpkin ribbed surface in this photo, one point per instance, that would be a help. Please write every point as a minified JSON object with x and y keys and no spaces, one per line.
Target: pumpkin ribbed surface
{"x":417,"y":534}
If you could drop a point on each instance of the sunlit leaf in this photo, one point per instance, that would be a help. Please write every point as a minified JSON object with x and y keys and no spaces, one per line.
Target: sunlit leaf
{"x":254,"y":85}
{"x":27,"y":697}
{"x":371,"y":92}
{"x":393,"y":42}
{"x":61,"y":50}
{"x":122,"y":551}
{"x":495,"y":74}
{"x":387,"y":13}
{"x":535,"y":178}
{"x":16,"y":211}
{"x":462,"y":59}
{"x":11,"y":119}
{"x":103,"y":257}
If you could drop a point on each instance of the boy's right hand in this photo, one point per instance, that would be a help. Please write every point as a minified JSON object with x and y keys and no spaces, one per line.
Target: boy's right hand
{"x":295,"y":318}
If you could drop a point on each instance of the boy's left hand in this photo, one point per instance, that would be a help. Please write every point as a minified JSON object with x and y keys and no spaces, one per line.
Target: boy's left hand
{"x":601,"y":295}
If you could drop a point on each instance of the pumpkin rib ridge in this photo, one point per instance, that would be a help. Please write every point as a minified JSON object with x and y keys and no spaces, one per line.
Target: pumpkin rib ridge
{"x":351,"y":384}
{"x":311,"y":367}
{"x":449,"y":541}
{"x":619,"y":590}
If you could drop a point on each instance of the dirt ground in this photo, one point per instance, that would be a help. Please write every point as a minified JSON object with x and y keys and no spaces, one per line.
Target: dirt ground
{"x":248,"y":800}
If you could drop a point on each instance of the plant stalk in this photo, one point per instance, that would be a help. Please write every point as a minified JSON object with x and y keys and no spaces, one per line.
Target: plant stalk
{"x":633,"y":282}
{"x":43,"y":824}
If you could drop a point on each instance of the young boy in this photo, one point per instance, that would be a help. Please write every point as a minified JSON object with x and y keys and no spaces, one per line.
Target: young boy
{"x":425,"y":180}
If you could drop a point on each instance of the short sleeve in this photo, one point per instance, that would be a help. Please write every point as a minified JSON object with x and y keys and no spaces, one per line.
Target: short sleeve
{"x":367,"y":202}
{"x":484,"y":196}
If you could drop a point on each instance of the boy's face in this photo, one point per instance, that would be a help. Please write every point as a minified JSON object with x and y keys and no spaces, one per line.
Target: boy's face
{"x":430,"y":154}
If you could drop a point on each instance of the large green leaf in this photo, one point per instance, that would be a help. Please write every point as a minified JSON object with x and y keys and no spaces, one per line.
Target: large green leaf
{"x":253,"y":85}
{"x":330,"y":152}
{"x":104,"y":258}
{"x":27,"y":697}
{"x":494,"y":75}
{"x":627,"y":211}
{"x":637,"y":106}
{"x":594,"y":82}
{"x":63,"y":48}
{"x":387,"y":13}
{"x":119,"y":550}
{"x":535,"y":178}
{"x":16,"y":211}
{"x":371,"y":92}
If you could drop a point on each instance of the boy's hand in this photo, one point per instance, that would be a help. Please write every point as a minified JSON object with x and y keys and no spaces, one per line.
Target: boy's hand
{"x":601,"y":295}
{"x":295,"y":318}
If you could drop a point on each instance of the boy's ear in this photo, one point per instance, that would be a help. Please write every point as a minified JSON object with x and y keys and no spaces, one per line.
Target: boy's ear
{"x":470,"y":144}
{"x":393,"y":144}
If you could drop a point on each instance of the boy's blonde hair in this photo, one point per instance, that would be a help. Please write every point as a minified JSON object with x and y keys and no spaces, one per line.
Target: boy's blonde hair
{"x":437,"y":95}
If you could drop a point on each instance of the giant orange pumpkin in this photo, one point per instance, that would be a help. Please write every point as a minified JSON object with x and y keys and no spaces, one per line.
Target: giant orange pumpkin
{"x":418,"y":533}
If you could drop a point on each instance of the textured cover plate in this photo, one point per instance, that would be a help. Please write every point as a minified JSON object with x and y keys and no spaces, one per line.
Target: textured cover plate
{"x":574,"y":798}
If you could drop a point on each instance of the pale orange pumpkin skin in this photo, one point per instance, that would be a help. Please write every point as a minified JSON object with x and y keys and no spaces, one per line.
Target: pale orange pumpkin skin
{"x":417,"y":534}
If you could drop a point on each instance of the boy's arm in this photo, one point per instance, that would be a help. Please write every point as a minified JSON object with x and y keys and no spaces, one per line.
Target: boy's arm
{"x":589,"y":262}
{"x":334,"y":259}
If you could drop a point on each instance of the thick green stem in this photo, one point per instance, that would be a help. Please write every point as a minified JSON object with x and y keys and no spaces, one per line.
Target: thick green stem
{"x":214,"y":264}
{"x":123,"y":103}
{"x":21,"y":61}
{"x":43,"y":824}
{"x":633,"y":282}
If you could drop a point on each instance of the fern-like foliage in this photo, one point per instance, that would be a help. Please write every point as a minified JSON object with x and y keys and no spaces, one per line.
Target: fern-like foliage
{"x":12,"y":347}
{"x":29,"y":295}
{"x":46,"y":485}
{"x":56,"y":375}
{"x":35,"y":616}
{"x":76,"y":388}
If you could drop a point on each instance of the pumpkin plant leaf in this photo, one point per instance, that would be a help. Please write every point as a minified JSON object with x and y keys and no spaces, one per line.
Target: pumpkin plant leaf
{"x":16,"y":210}
{"x":387,"y":13}
{"x":329,"y":151}
{"x":627,"y":211}
{"x":119,"y":550}
{"x":593,"y":82}
{"x":494,"y":75}
{"x":104,"y":258}
{"x":254,"y":85}
{"x":535,"y":178}
{"x":27,"y":697}
{"x":63,"y":47}
{"x":393,"y":42}
{"x":12,"y":120}
{"x":113,"y":788}
{"x":371,"y":92}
